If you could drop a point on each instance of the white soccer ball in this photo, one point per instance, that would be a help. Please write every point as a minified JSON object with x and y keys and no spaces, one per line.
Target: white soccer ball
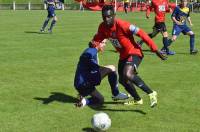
{"x":101,"y":121}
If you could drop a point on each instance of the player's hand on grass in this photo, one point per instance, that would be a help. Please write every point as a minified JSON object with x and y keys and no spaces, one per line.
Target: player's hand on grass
{"x":160,"y":55}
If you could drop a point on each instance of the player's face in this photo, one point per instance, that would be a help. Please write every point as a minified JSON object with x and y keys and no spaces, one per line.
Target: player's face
{"x":108,"y":18}
{"x":184,"y":3}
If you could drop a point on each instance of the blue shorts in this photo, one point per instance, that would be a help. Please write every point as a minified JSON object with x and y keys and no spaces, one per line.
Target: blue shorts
{"x":87,"y":86}
{"x":85,"y":90}
{"x":51,"y":11}
{"x":177,"y":29}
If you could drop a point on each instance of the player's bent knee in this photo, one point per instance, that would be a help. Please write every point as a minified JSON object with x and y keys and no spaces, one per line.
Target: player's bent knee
{"x":192,"y":35}
{"x":173,"y":38}
{"x":111,"y":67}
{"x":55,"y":19}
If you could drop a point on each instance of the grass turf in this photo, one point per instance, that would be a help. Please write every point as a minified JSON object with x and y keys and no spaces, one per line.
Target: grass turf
{"x":37,"y":71}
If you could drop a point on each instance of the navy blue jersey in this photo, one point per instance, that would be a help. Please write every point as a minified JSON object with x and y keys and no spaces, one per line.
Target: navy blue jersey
{"x":87,"y":72}
{"x":50,"y":0}
{"x":181,"y":14}
{"x":51,"y":8}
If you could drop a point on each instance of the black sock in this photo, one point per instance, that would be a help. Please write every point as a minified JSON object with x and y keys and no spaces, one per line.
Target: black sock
{"x":140,"y":83}
{"x":52,"y":24}
{"x":169,"y":42}
{"x":45,"y":24}
{"x":112,"y":79}
{"x":192,"y":42}
{"x":131,"y":90}
{"x":165,"y":42}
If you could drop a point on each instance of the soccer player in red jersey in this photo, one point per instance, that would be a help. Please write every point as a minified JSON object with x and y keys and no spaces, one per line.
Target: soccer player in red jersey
{"x":160,"y":8}
{"x":120,"y":33}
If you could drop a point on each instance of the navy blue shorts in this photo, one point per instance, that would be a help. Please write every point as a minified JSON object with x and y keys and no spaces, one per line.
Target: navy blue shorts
{"x":85,"y":89}
{"x":177,"y":29}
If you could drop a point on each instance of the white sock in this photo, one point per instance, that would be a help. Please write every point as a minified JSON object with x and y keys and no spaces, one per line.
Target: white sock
{"x":83,"y":101}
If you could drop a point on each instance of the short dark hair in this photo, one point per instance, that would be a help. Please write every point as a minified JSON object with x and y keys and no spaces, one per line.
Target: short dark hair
{"x":183,"y":0}
{"x":108,"y":7}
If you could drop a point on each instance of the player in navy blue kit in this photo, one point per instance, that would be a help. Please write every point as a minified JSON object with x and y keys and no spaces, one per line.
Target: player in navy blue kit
{"x":179,"y":16}
{"x":89,"y":74}
{"x":51,"y":14}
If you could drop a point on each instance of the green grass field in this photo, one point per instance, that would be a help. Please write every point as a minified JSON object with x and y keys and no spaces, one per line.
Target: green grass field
{"x":37,"y":71}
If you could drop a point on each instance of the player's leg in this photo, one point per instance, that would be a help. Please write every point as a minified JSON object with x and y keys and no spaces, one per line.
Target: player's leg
{"x":45,"y":24}
{"x":189,"y":32}
{"x":128,"y":85}
{"x":130,"y":73}
{"x":85,"y":90}
{"x":176,"y":30}
{"x":53,"y":23}
{"x":110,"y":71}
{"x":96,"y":98}
{"x":154,"y":33}
{"x":163,"y":29}
{"x":126,"y":7}
{"x":136,"y":99}
{"x":151,"y":35}
{"x":175,"y":33}
{"x":166,"y":44}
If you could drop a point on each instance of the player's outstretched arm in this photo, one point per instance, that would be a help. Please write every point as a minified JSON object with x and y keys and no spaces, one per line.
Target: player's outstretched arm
{"x":144,"y":36}
{"x":189,"y":20}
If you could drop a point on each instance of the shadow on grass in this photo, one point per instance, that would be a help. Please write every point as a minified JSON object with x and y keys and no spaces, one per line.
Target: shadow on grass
{"x":57,"y":96}
{"x":64,"y":98}
{"x":34,"y":32}
{"x":88,"y":129}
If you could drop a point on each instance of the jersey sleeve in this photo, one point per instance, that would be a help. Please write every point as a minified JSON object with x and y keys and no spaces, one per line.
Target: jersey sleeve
{"x":174,"y":12}
{"x":99,"y":36}
{"x":144,"y":36}
{"x":126,"y":27}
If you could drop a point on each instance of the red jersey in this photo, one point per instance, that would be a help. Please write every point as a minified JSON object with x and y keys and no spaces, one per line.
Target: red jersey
{"x":121,"y":37}
{"x":160,"y":8}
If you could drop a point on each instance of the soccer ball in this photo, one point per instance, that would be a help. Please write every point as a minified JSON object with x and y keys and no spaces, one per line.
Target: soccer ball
{"x":101,"y":121}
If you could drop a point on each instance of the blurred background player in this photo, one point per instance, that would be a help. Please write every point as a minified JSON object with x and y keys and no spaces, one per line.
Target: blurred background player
{"x":120,"y":33}
{"x":51,"y":14}
{"x":160,"y":8}
{"x":89,"y":74}
{"x":179,"y":16}
{"x":126,"y":5}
